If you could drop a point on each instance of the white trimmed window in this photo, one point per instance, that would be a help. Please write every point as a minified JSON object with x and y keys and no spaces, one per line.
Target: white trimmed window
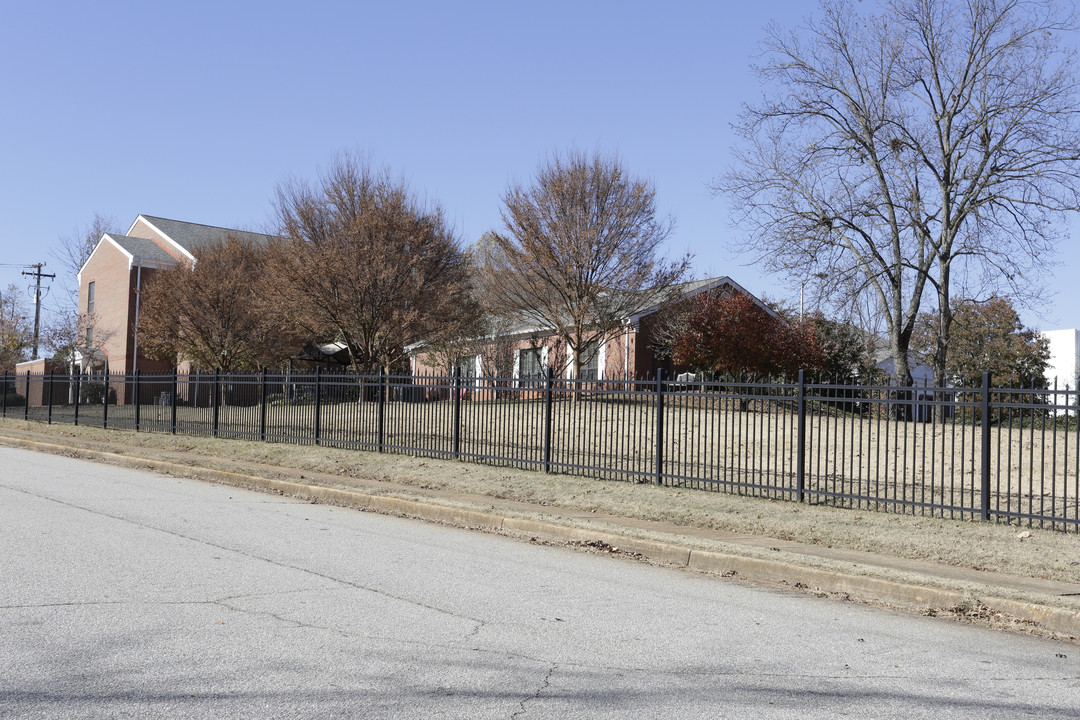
{"x":529,"y":366}
{"x":592,"y":361}
{"x":468,"y":368}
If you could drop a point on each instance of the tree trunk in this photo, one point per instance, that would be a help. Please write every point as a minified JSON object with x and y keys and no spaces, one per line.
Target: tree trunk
{"x":941,"y":350}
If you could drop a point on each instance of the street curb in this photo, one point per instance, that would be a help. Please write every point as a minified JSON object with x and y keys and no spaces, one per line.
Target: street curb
{"x":776,"y":573}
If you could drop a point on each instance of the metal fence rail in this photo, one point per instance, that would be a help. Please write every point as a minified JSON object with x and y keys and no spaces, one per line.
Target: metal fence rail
{"x":1003,"y":454}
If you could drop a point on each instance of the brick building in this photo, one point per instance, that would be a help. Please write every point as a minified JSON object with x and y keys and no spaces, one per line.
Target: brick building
{"x":112,"y":278}
{"x":630,"y":352}
{"x":33,"y":382}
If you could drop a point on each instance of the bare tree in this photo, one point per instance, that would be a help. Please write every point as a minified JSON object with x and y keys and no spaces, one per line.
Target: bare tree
{"x":215,"y":313}
{"x":906,"y":151}
{"x":580,"y":253}
{"x":368,"y":264}
{"x":496,"y":350}
{"x":73,"y":336}
{"x":16,"y":328}
{"x":73,"y":250}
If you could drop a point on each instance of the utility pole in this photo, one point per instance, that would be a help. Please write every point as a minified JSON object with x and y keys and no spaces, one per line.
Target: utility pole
{"x":37,"y":275}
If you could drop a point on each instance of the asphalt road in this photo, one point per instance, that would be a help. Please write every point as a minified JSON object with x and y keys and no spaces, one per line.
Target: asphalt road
{"x":129,"y":594}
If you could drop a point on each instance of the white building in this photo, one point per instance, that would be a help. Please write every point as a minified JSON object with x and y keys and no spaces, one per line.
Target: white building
{"x":922,"y":377}
{"x":1064,"y":364}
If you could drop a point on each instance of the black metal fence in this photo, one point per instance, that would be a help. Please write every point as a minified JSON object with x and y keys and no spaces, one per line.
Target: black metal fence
{"x":1003,"y":454}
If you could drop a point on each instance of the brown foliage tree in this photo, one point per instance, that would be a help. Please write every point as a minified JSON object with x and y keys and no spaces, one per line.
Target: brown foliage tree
{"x":364,"y":262}
{"x":731,"y":334}
{"x":215,"y":313}
{"x":580,"y":253}
{"x":898,"y":151}
{"x":987,"y":337}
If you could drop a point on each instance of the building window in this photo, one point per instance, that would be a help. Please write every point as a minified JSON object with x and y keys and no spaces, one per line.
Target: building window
{"x":591,"y":358}
{"x":590,"y":364}
{"x":89,"y":337}
{"x":467,"y":369}
{"x":90,"y":297}
{"x":531,"y":366}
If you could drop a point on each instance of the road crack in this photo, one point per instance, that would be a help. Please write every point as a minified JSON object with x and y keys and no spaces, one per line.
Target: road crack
{"x":544,"y":684}
{"x":251,"y":556}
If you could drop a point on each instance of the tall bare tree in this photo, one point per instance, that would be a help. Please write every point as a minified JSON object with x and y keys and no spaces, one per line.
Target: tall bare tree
{"x":215,"y":313}
{"x":580,"y":253}
{"x":16,"y":328}
{"x":903,"y":151}
{"x":366,"y":263}
{"x":73,"y":250}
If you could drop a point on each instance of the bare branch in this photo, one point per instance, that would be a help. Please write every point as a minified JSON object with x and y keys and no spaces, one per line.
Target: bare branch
{"x":581,"y":252}
{"x":935,"y":141}
{"x":364,"y":262}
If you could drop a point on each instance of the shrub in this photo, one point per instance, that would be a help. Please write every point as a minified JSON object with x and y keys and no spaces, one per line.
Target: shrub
{"x":92,"y":393}
{"x":299,"y":398}
{"x":14,"y":399}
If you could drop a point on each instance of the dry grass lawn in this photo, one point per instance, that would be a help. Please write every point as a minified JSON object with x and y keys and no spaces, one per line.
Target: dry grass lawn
{"x":994,"y":547}
{"x":1033,"y":469}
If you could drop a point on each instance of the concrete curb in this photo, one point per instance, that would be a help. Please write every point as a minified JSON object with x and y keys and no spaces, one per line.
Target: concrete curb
{"x":909,"y":596}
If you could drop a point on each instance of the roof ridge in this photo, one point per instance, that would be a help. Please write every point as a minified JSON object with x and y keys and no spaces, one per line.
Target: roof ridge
{"x":206,"y":225}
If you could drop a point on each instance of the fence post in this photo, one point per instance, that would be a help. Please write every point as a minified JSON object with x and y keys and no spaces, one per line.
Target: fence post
{"x":172,"y":405}
{"x":800,"y":443}
{"x":318,"y":403}
{"x":77,"y":377}
{"x":26,"y":401}
{"x":138,"y":404}
{"x":105,"y":400}
{"x":50,"y":394}
{"x":985,"y":515}
{"x":547,"y":419}
{"x":262,"y":407}
{"x":380,"y":399}
{"x":5,"y":393}
{"x":214,"y":390}
{"x":659,"y":426}
{"x":456,"y":382}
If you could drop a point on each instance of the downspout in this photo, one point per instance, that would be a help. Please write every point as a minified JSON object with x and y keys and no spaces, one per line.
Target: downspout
{"x":626,"y":353}
{"x":138,"y":298}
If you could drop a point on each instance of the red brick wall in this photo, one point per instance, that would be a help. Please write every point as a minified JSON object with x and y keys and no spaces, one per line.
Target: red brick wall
{"x":113,"y":293}
{"x":617,"y":363}
{"x":115,"y":297}
{"x":35,"y":394}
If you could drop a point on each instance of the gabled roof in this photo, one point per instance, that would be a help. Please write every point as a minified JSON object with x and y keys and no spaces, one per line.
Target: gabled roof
{"x":185,"y":237}
{"x":138,"y":251}
{"x":651,"y":302}
{"x":691,"y":288}
{"x":141,"y":249}
{"x":190,"y":237}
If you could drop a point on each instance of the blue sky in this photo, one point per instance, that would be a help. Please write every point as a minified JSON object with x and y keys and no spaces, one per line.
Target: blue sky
{"x":197,"y":110}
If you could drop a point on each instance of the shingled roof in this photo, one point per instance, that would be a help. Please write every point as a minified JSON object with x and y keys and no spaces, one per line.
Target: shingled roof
{"x":142,"y":249}
{"x":192,"y":236}
{"x":167,"y":241}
